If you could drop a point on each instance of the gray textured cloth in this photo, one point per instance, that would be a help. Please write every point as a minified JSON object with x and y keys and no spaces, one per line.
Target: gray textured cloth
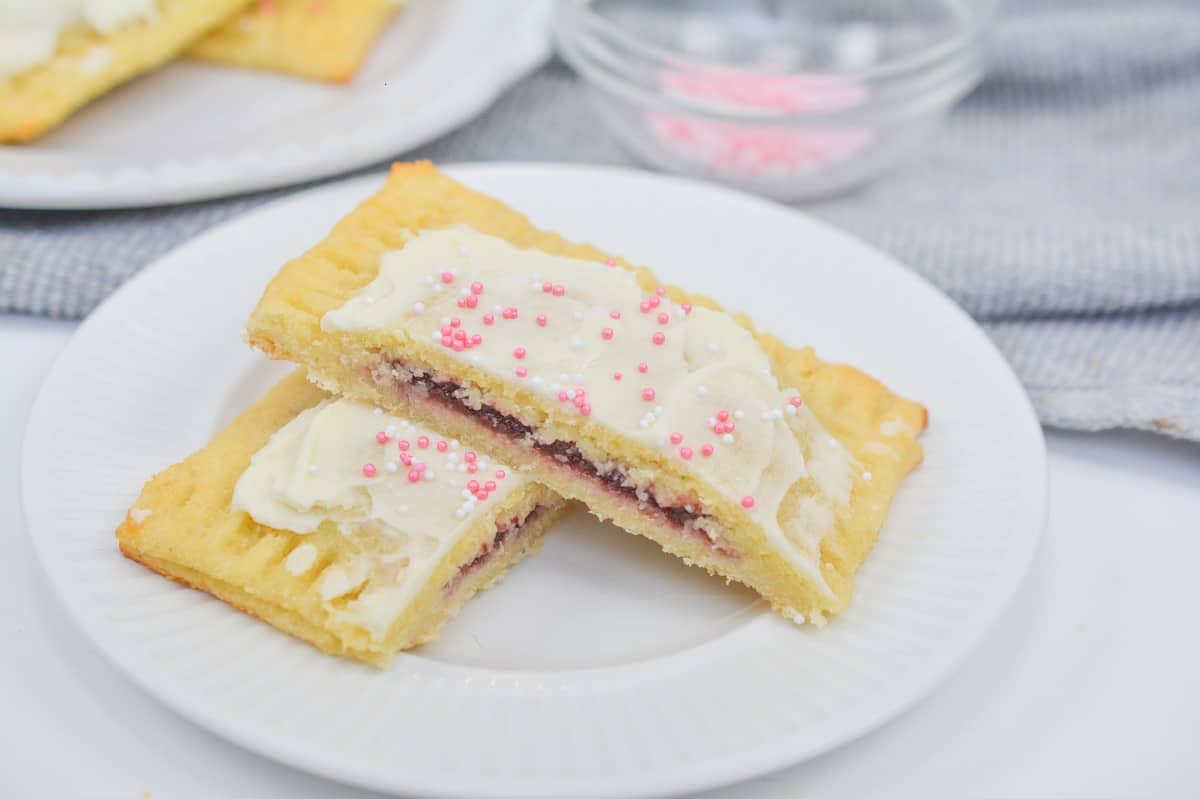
{"x":1060,"y":206}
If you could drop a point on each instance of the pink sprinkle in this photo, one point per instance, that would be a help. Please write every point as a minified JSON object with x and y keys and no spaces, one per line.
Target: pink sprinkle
{"x":661,"y":291}
{"x":480,"y":495}
{"x":447,"y":277}
{"x":723,"y":416}
{"x":522,"y":371}
{"x":616,"y":375}
{"x":470,"y":301}
{"x":562,"y":396}
{"x":643,"y":367}
{"x":559,"y":290}
{"x":615,"y":314}
{"x":381,"y":437}
{"x":473,"y":486}
{"x":747,"y":501}
{"x":541,"y":320}
{"x":606,"y":334}
{"x":579,"y":400}
{"x":414,"y":476}
{"x":510,"y":313}
{"x":490,"y":485}
{"x":585,"y":409}
{"x":403,"y":445}
{"x":476,"y":340}
{"x":654,"y":301}
{"x":519,"y":353}
{"x":446,"y":331}
{"x":420,"y":467}
{"x":676,"y":438}
{"x":488,"y":318}
{"x":706,"y":450}
{"x":609,"y":262}
{"x":685,"y":453}
{"x":458,"y":346}
{"x":455,"y":322}
{"x":500,"y":475}
{"x":648,"y":394}
{"x":645,"y":306}
{"x":472,"y":468}
{"x":460,"y":334}
{"x":369,"y":469}
{"x":663,"y":318}
{"x":659,"y":338}
{"x":476,"y":287}
{"x":470,"y":457}
{"x":442,"y":446}
{"x":686,"y":306}
{"x":447,"y":341}
{"x":547,"y":287}
{"x":796,"y":402}
{"x":423,"y":442}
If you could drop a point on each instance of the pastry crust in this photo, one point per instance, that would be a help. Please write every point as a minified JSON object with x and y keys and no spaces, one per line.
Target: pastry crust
{"x":319,"y":39}
{"x":878,"y":427}
{"x":182,"y":526}
{"x":88,"y":64}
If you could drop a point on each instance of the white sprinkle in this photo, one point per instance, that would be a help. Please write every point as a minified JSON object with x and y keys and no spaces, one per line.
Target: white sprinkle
{"x":428,"y":475}
{"x":579,"y":378}
{"x":537,"y":380}
{"x":419,"y":307}
{"x":643,"y":424}
{"x":536,"y":288}
{"x":538,"y":278}
{"x":429,"y":280}
{"x":867,"y":476}
{"x":378,"y":411}
{"x":577,"y":344}
{"x":498,"y":309}
{"x":460,"y":514}
{"x":445,"y":320}
{"x":454,"y":444}
{"x":727,"y":438}
{"x":437,"y":335}
{"x":369,"y":300}
{"x":578,"y":316}
{"x":466,"y":493}
{"x":564,"y":378}
{"x":658,"y":409}
{"x":702,"y":391}
{"x":712,"y":346}
{"x":833,"y":442}
{"x":462,"y":468}
{"x":690,"y":508}
{"x":711,"y":422}
{"x":462,"y":249}
{"x":139,"y":515}
{"x":475,"y":359}
{"x":392,"y":467}
{"x":571,"y":394}
{"x":438,"y":288}
{"x":402,"y":509}
{"x":790,"y":410}
{"x":555,"y":387}
{"x":798,"y":617}
{"x":312,"y":468}
{"x":464,"y":291}
{"x":738,"y":414}
{"x":390,"y":431}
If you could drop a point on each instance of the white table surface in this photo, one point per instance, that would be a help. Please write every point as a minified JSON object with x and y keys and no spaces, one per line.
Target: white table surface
{"x":1089,"y":686}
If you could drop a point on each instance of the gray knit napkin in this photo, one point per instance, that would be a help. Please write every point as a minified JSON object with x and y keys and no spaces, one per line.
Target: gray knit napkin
{"x":1060,"y":205}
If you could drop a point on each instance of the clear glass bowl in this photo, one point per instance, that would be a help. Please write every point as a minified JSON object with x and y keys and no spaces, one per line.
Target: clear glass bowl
{"x":794,"y":99}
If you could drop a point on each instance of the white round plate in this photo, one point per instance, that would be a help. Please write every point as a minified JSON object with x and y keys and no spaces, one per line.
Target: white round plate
{"x":194,"y":130}
{"x":600,"y":666}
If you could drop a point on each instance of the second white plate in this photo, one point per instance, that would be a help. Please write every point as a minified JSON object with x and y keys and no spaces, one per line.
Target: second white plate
{"x":193,"y":130}
{"x":600,"y":666}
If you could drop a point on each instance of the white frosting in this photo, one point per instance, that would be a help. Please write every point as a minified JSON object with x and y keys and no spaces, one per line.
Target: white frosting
{"x":592,"y":324}
{"x":29,"y":29}
{"x":311,"y":473}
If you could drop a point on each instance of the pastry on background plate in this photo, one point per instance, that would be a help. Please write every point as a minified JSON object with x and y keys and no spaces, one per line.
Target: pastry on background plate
{"x":321,"y":39}
{"x":57,"y":55}
{"x":659,"y":411}
{"x":352,"y":529}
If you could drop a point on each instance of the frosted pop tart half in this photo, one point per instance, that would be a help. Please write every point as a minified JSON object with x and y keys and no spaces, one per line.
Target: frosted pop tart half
{"x":658,"y":410}
{"x":355,"y":530}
